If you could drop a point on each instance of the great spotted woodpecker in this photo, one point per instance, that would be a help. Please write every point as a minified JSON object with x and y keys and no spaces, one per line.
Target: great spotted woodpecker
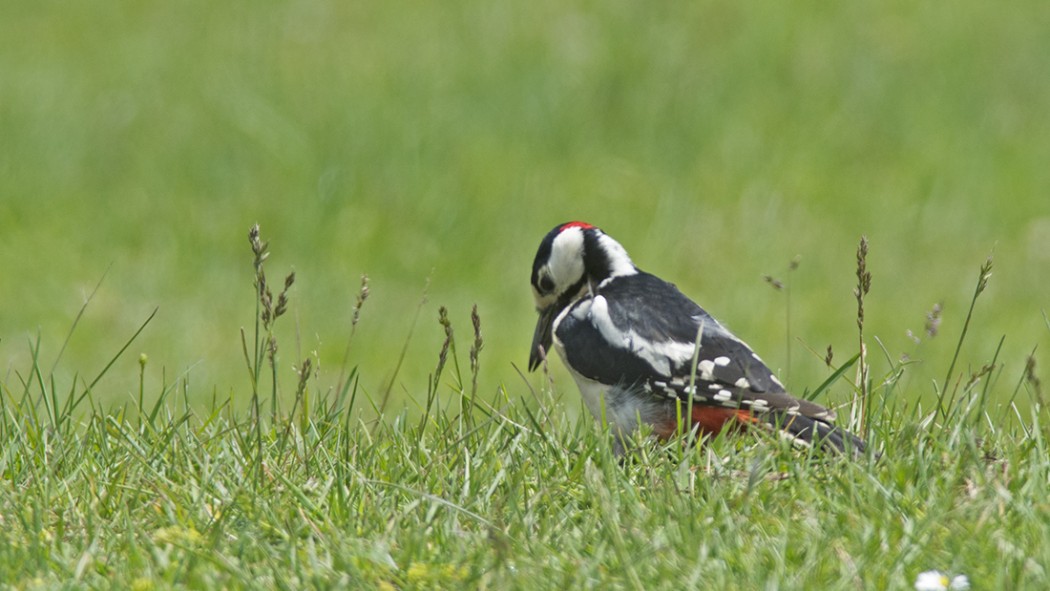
{"x":629,"y":339}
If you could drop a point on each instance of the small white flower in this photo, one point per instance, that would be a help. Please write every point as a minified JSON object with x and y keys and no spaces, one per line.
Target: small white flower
{"x":933,"y":580}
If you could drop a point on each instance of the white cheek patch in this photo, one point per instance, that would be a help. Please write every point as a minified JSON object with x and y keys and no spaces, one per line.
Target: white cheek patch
{"x":566,"y":262}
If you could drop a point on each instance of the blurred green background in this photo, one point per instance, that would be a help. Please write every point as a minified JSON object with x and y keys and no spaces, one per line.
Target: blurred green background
{"x":408,"y":140}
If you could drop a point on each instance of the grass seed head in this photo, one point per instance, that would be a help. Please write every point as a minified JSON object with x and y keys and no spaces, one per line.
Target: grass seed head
{"x":305,"y":371}
{"x":475,"y":320}
{"x":259,"y":248}
{"x":933,"y":320}
{"x":271,"y":349}
{"x":443,"y":354}
{"x":362,"y":295}
{"x":863,"y":279}
{"x":985,"y":274}
{"x":1031,"y":377}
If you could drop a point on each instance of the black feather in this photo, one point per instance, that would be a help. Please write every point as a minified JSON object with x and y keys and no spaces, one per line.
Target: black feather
{"x":821,"y":434}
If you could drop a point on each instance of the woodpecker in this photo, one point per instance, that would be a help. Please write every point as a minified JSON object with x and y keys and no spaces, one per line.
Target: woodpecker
{"x":630,"y":341}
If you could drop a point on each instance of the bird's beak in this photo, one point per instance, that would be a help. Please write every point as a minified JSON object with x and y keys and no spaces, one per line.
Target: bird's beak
{"x":543,"y":336}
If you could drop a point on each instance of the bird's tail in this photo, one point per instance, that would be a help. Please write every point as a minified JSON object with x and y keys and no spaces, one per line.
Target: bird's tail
{"x":798,"y":428}
{"x":807,"y":431}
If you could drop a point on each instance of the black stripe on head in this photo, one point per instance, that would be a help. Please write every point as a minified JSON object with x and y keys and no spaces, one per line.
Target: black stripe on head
{"x":543,"y":254}
{"x":596,"y":261}
{"x":604,"y":257}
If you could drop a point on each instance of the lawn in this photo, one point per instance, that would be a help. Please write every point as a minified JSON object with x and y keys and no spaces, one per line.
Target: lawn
{"x":430,"y":146}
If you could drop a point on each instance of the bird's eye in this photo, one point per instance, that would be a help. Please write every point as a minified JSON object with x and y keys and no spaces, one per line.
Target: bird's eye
{"x":546,"y":284}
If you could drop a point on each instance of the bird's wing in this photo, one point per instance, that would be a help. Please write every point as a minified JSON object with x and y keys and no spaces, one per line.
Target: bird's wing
{"x":642,"y":331}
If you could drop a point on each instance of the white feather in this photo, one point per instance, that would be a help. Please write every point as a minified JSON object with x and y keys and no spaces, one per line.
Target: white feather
{"x":566,"y":261}
{"x":707,"y":369}
{"x":659,"y":355}
{"x":619,"y":261}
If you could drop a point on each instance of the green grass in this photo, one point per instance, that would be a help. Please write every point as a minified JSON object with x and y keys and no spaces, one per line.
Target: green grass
{"x":511,"y":500}
{"x":501,"y":492}
{"x":430,"y":145}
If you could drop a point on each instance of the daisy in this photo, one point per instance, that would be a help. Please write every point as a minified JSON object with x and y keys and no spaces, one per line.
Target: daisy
{"x":933,"y":580}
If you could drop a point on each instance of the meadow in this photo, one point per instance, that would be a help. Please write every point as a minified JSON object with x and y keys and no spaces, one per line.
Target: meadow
{"x":739,"y":150}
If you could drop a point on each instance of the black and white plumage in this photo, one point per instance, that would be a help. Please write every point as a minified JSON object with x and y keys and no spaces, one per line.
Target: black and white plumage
{"x":629,"y":340}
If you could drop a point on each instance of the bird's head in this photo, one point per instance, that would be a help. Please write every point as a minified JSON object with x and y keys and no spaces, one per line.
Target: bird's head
{"x":572,"y":260}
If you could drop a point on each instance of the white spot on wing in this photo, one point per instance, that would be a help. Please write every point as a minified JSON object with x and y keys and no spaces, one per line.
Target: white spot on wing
{"x":743,"y":383}
{"x":707,"y":369}
{"x":722,"y":361}
{"x":723,"y":396}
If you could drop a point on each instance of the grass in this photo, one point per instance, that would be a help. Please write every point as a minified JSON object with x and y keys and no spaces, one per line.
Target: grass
{"x":504,"y":492}
{"x":166,"y":440}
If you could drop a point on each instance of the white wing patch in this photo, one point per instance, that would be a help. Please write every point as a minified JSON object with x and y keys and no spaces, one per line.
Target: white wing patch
{"x":598,"y":312}
{"x":661,"y":356}
{"x":707,"y":369}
